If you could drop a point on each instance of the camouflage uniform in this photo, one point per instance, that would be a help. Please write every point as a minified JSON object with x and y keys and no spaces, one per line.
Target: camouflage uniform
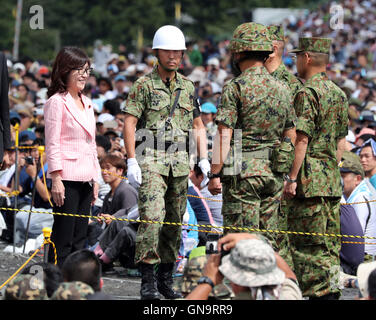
{"x":163,"y":192}
{"x":259,"y":105}
{"x":75,"y":290}
{"x":26,"y":287}
{"x":193,"y":271}
{"x":281,"y":73}
{"x":322,"y":112}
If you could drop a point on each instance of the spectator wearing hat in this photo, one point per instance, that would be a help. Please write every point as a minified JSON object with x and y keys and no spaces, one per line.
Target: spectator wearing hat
{"x":120,"y":85}
{"x":254,"y":270}
{"x":214,"y":71}
{"x":26,"y":118}
{"x":355,"y":190}
{"x":105,"y":121}
{"x":208,"y":112}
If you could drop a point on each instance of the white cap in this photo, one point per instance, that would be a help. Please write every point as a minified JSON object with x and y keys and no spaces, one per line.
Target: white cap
{"x":105,"y":117}
{"x":213,"y":62}
{"x":19,"y":65}
{"x":169,"y":38}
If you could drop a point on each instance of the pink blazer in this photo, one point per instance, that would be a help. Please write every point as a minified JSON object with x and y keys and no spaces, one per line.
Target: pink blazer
{"x":70,"y":138}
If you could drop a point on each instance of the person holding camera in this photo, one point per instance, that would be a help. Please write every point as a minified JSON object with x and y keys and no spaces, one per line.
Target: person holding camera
{"x":254,"y":270}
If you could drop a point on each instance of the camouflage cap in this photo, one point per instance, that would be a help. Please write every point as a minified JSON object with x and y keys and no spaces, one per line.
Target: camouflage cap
{"x":320,"y":45}
{"x":276,"y":33}
{"x":252,"y":263}
{"x":193,"y":271}
{"x":26,"y":287}
{"x":75,"y":290}
{"x":351,"y":163}
{"x":251,"y":36}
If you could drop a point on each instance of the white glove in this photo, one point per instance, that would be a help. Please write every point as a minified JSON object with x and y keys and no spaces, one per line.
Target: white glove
{"x":204,"y":165}
{"x":134,"y":172}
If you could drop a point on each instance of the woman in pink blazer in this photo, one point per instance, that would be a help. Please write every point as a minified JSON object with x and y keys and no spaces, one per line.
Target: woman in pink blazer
{"x":71,"y":150}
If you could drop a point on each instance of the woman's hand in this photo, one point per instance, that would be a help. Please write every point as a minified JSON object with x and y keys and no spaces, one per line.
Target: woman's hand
{"x":95,"y":193}
{"x":58,"y":190}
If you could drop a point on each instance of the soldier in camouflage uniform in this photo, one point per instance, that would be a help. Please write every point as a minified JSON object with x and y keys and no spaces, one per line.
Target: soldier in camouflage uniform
{"x":164,"y":161}
{"x":313,"y":184}
{"x":260,"y":106}
{"x":26,"y":287}
{"x":75,"y":290}
{"x":275,"y":65}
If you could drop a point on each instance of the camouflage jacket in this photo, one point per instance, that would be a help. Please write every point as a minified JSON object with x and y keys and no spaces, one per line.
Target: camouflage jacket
{"x":150,"y":100}
{"x":282,"y":74}
{"x":322,"y":111}
{"x":260,"y":106}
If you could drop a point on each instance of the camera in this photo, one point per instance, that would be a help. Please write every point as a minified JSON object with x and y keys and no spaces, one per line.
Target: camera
{"x":29,"y":160}
{"x":212,"y":244}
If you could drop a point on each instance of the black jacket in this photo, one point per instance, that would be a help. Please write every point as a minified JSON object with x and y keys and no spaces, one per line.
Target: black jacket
{"x":4,"y":107}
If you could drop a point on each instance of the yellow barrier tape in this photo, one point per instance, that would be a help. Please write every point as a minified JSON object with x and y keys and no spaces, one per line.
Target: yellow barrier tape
{"x":245,"y":229}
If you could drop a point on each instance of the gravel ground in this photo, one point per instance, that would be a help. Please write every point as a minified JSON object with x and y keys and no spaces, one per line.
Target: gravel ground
{"x":120,"y":286}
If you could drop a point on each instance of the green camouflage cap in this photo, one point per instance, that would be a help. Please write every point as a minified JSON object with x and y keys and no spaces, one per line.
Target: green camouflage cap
{"x":75,"y":290}
{"x":193,"y":271}
{"x":320,"y":45}
{"x":251,"y":36}
{"x":351,"y":163}
{"x":252,"y":263}
{"x":26,"y":287}
{"x":276,"y":33}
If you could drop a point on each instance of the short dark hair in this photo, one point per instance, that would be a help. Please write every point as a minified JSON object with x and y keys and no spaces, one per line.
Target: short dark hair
{"x":104,"y":142}
{"x":372,"y":285}
{"x":83,"y":265}
{"x":256,"y":55}
{"x":68,"y":59}
{"x":113,"y":160}
{"x":52,"y":276}
{"x":107,"y":80}
{"x":113,"y":106}
{"x":197,"y":170}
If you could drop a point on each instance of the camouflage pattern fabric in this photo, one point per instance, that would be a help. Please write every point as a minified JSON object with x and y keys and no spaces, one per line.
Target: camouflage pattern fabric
{"x":276,"y":33}
{"x":251,"y":36}
{"x":252,"y":263}
{"x":315,"y":257}
{"x":255,"y":203}
{"x":160,"y":199}
{"x":193,"y":271}
{"x":351,"y":163}
{"x":319,"y":45}
{"x":150,"y":101}
{"x":260,"y":106}
{"x":322,"y":111}
{"x":26,"y":287}
{"x":75,"y":290}
{"x":282,"y":74}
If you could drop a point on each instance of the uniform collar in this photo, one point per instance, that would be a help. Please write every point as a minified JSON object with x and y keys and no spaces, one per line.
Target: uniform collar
{"x":317,"y":77}
{"x":256,"y":70}
{"x":159,"y":84}
{"x":281,"y":69}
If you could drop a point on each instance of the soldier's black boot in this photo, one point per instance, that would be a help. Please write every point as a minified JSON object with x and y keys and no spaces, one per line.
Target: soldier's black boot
{"x":148,"y":282}
{"x":164,"y":281}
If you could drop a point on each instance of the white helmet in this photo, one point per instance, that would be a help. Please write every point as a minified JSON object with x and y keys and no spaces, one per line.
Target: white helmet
{"x":169,"y":38}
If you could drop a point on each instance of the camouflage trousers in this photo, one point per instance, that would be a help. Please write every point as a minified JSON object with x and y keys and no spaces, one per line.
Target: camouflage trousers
{"x":161,"y":198}
{"x":255,"y":202}
{"x":316,"y":259}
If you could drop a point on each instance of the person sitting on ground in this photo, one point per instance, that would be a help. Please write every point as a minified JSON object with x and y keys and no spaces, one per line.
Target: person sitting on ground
{"x":121,"y":196}
{"x":83,"y":265}
{"x":118,"y":241}
{"x":255,"y":271}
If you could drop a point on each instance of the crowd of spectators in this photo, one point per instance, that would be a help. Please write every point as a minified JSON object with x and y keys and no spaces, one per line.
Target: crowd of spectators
{"x":208,"y":64}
